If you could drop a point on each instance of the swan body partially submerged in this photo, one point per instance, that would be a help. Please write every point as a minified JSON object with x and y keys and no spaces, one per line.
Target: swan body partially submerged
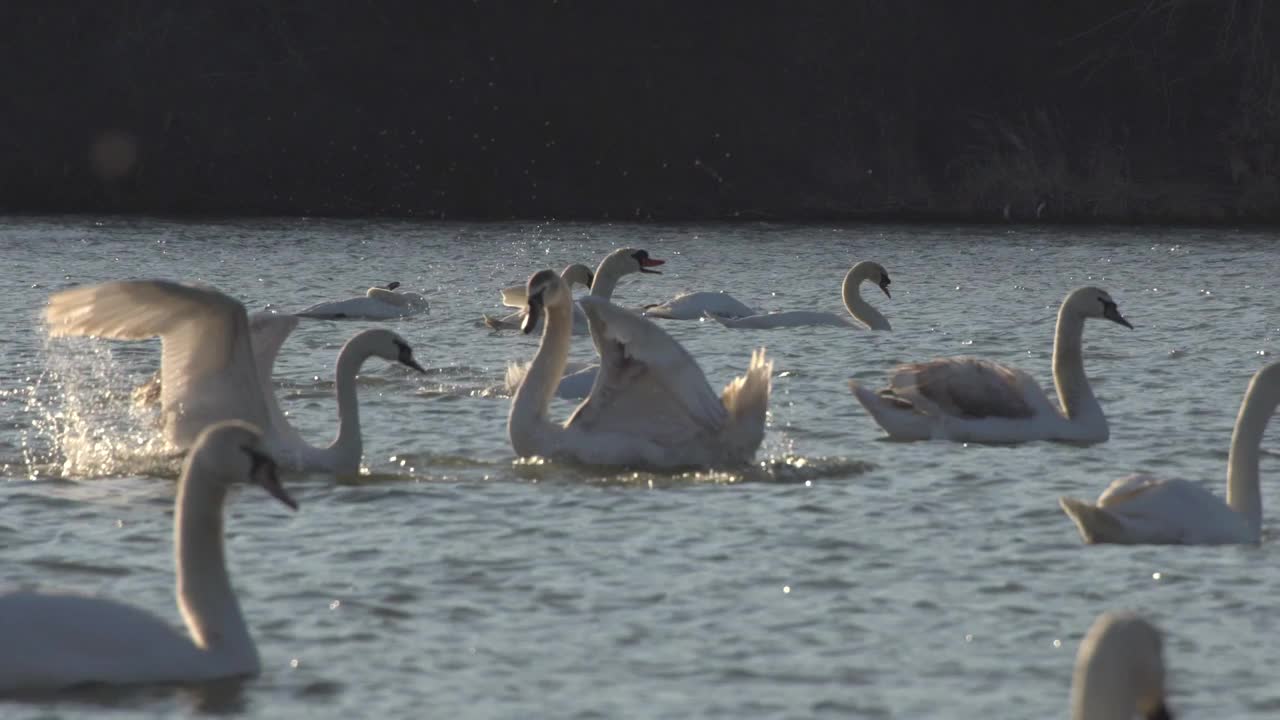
{"x":1141,"y":509}
{"x":693,"y":305}
{"x":208,"y":367}
{"x":55,"y":641}
{"x":860,"y":312}
{"x":1119,"y":671}
{"x":378,"y":303}
{"x":650,"y":405}
{"x":967,"y":399}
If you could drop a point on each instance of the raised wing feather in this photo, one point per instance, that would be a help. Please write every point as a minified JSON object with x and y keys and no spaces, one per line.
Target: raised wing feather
{"x":648,"y":385}
{"x":966,"y":387}
{"x":268,"y":332}
{"x":516,"y":296}
{"x":207,"y":367}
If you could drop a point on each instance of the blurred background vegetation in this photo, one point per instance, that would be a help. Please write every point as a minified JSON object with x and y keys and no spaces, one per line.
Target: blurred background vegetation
{"x":1092,"y":110}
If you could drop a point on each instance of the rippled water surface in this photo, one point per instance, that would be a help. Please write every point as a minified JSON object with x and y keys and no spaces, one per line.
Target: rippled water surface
{"x":843,"y":576}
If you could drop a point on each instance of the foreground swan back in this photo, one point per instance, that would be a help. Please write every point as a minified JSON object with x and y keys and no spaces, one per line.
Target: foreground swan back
{"x":1140,"y":509}
{"x":54,"y":641}
{"x":207,"y":367}
{"x":1119,"y":671}
{"x":378,"y":303}
{"x":971,"y":400}
{"x":859,"y":309}
{"x":650,"y":404}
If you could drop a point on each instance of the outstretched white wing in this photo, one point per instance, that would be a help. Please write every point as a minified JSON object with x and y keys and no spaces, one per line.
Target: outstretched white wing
{"x":516,"y":296}
{"x":268,"y":331}
{"x":968,"y":387}
{"x":648,"y":385}
{"x":207,"y":367}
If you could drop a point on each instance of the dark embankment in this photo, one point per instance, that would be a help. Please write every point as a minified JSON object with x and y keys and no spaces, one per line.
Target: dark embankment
{"x":1093,"y":110}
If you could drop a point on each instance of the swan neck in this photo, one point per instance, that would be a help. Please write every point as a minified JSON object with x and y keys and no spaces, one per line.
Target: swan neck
{"x":860,"y":309}
{"x":528,"y":419}
{"x":348,"y":444}
{"x":1244,"y":492}
{"x":1074,"y":392}
{"x":606,"y":279}
{"x":205,"y":596}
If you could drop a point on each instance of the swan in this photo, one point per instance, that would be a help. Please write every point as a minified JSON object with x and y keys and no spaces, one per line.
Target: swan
{"x":208,"y":368}
{"x":692,"y":306}
{"x":580,"y":376}
{"x":1140,"y":509}
{"x":1119,"y":671}
{"x":967,"y":399}
{"x":650,"y":404}
{"x":860,"y":309}
{"x":55,"y":641}
{"x":378,"y":303}
{"x":575,"y":274}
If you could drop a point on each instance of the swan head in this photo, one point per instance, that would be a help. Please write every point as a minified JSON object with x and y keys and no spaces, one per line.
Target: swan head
{"x":545,"y":289}
{"x":1092,"y":302}
{"x":873,"y":271}
{"x":233,"y":452}
{"x":625,"y":261}
{"x":577,"y":273}
{"x":1120,"y":670}
{"x":388,"y":346}
{"x":393,"y":285}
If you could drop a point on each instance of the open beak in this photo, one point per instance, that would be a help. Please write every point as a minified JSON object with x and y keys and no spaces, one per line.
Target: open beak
{"x":651,"y":262}
{"x":1113,"y":314}
{"x":263,"y":473}
{"x":531,"y":313}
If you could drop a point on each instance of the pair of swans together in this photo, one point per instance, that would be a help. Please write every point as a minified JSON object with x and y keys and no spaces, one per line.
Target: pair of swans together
{"x":719,"y":306}
{"x":217,"y":362}
{"x":973,"y":400}
{"x":378,"y":303}
{"x":55,"y":641}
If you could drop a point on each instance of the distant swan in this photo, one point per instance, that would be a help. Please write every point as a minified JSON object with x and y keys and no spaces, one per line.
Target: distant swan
{"x":575,"y":274}
{"x":1119,"y":671}
{"x":378,"y":303}
{"x":860,"y":310}
{"x":966,"y":399}
{"x":577,"y":383}
{"x":208,"y":371}
{"x":650,"y":405}
{"x":56,"y":641}
{"x":1140,"y":509}
{"x":692,"y":306}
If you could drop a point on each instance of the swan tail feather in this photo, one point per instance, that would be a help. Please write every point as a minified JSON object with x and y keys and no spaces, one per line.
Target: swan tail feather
{"x":1095,"y":524}
{"x":746,"y":398}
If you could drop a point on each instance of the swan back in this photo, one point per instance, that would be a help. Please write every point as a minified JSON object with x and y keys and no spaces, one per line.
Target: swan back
{"x":1119,"y":671}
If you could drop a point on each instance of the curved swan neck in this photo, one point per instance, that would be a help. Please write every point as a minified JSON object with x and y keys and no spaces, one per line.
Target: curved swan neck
{"x":348,"y":443}
{"x":1244,"y":494}
{"x":1074,"y":392}
{"x":529,"y":405}
{"x":205,"y":597}
{"x":607,"y":275}
{"x":860,"y":309}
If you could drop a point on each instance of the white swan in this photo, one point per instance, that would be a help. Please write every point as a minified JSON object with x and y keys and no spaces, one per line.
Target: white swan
{"x":378,"y":303}
{"x":578,"y":380}
{"x":575,"y":274}
{"x":207,"y":365}
{"x":692,"y":306}
{"x":859,"y":309}
{"x":1140,"y":509}
{"x":967,"y":399}
{"x":1119,"y":671}
{"x":650,"y":405}
{"x":54,"y":641}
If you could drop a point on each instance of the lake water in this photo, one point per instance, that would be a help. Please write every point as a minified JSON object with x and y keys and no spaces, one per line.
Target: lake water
{"x":843,"y":576}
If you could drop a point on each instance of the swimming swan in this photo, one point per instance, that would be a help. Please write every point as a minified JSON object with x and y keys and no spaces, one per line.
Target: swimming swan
{"x":861,"y":311}
{"x":693,"y":305}
{"x":650,"y":405}
{"x":54,"y":641}
{"x":1140,"y":509}
{"x":207,"y":366}
{"x":575,"y":274}
{"x":378,"y":303}
{"x":1119,"y":671}
{"x":577,"y":383}
{"x":967,"y":399}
